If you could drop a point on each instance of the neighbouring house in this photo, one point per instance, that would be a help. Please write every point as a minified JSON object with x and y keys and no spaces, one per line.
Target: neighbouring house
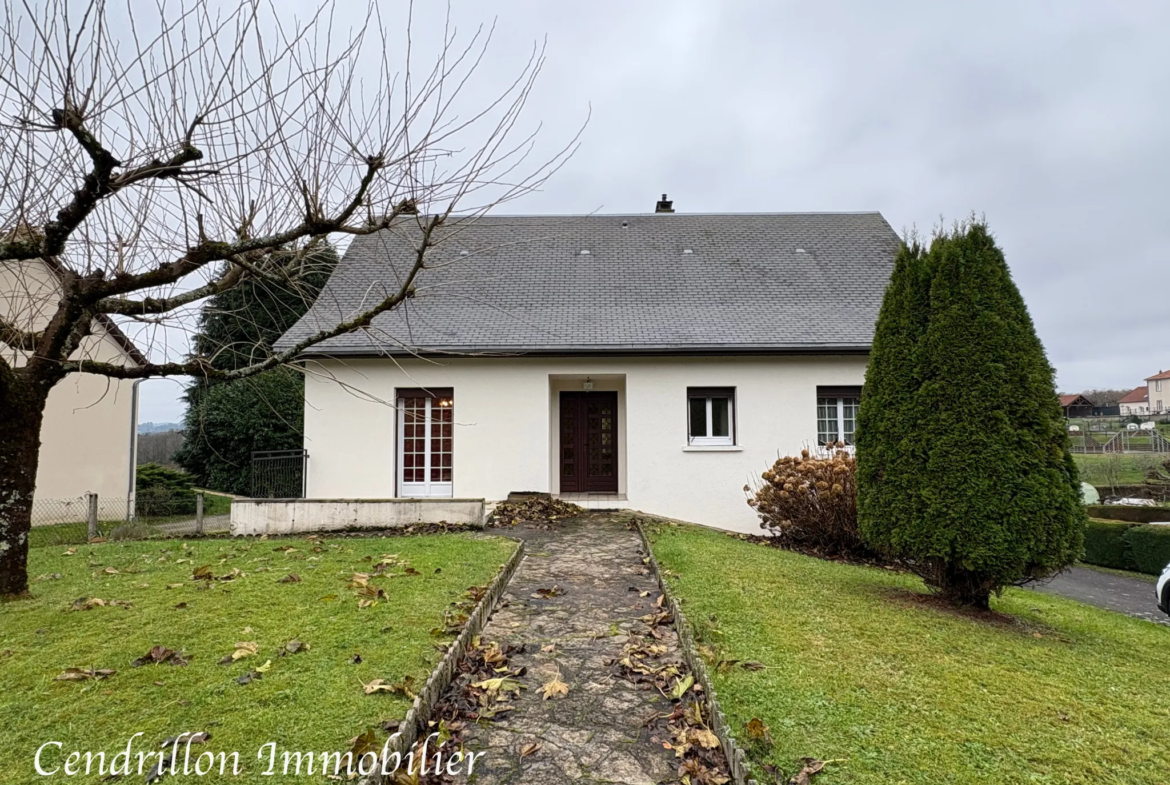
{"x":1158,"y":388}
{"x":1076,"y":406}
{"x":653,"y":361}
{"x":88,"y":435}
{"x":1136,"y":402}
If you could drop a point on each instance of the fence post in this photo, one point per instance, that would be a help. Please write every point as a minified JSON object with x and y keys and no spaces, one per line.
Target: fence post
{"x":91,"y":500}
{"x":199,"y":513}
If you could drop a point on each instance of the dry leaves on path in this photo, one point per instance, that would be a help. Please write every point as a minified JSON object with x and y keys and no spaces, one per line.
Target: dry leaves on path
{"x":554,"y":688}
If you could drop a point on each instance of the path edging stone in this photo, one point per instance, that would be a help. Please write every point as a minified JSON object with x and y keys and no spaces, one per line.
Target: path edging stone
{"x":736,"y":757}
{"x":424,"y":704}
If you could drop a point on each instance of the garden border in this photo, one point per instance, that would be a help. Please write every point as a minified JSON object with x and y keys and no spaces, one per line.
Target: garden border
{"x":736,"y":757}
{"x":424,"y":704}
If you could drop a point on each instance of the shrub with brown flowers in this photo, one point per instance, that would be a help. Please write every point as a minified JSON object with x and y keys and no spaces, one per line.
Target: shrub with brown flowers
{"x":809,"y":504}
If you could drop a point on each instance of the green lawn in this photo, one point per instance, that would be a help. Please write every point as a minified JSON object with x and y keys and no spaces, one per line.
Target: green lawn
{"x":1118,"y":468}
{"x":311,"y":700}
{"x":860,"y":670}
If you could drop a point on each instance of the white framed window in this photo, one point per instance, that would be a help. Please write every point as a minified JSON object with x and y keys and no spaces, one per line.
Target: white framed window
{"x":1157,"y":385}
{"x":837,"y":414}
{"x":710,"y":416}
{"x":426,"y":420}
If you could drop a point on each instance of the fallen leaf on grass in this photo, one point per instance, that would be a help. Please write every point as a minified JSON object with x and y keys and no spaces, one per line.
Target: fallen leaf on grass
{"x":529,"y":749}
{"x":753,"y":666}
{"x":757,"y":730}
{"x":180,"y":606}
{"x":83,"y":674}
{"x":243,"y":649}
{"x":294,"y":646}
{"x":265,"y":667}
{"x":174,"y":585}
{"x":812,"y":767}
{"x":555,"y":688}
{"x":292,"y":577}
{"x":399,"y":687}
{"x":158,"y":655}
{"x":328,"y":598}
{"x":355,"y":659}
{"x":249,"y":677}
{"x":202,"y":573}
{"x":549,"y":648}
{"x":54,"y":576}
{"x":70,"y":552}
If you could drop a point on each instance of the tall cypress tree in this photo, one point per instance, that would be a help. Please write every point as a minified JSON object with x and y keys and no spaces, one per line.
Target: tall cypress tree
{"x":966,"y":474}
{"x":226,"y":421}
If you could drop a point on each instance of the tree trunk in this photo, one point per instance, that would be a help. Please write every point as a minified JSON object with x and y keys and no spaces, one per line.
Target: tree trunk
{"x":22,"y":405}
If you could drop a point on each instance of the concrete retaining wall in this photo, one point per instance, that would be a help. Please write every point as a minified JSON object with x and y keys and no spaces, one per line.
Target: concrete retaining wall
{"x":296,"y":516}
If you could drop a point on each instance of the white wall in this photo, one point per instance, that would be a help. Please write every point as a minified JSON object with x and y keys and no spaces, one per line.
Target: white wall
{"x":1157,"y":395}
{"x":505,"y":425}
{"x":87,"y":435}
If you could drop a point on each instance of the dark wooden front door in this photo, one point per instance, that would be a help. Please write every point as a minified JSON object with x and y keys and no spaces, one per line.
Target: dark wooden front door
{"x":589,"y":442}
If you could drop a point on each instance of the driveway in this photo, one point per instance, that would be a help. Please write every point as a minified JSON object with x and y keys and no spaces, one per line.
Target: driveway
{"x":1131,"y":596}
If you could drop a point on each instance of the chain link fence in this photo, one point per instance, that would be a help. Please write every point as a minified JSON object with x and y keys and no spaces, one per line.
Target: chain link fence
{"x":155,"y":513}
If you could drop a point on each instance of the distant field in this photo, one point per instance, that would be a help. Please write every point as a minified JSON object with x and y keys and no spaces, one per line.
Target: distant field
{"x":1117,"y":468}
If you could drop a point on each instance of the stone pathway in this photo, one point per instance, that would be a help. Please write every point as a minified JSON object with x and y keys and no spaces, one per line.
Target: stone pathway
{"x":595,"y":733}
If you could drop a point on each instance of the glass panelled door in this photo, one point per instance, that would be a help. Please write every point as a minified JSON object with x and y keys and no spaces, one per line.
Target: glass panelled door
{"x":426,"y":421}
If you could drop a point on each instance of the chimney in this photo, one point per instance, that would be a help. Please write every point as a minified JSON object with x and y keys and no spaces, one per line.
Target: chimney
{"x":664,"y":206}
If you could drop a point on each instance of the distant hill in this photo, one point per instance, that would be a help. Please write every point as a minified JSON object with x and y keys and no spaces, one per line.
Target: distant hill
{"x":158,"y":427}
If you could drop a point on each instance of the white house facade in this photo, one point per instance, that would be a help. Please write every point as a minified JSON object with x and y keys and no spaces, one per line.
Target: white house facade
{"x":88,"y":438}
{"x":653,"y":362}
{"x":1135,"y":402}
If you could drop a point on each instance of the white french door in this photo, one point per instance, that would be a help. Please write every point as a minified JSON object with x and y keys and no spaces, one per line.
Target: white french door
{"x":425,"y":439}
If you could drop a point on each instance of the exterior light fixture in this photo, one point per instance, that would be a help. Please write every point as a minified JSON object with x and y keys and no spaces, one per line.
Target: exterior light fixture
{"x":588,"y":385}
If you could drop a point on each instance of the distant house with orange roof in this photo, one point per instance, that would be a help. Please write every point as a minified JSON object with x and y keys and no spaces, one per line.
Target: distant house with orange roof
{"x":1136,"y":402}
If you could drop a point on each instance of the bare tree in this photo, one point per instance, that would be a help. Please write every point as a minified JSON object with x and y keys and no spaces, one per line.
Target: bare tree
{"x":153,"y":160}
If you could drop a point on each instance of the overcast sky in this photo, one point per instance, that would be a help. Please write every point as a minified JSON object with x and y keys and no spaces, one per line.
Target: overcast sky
{"x":1049,"y":118}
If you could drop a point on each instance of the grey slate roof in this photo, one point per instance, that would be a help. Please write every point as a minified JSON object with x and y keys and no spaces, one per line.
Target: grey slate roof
{"x":508,"y":284}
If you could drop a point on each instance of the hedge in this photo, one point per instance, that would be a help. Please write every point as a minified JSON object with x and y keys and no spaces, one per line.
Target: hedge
{"x":1121,"y":512}
{"x":1150,"y":546}
{"x":1106,"y":546}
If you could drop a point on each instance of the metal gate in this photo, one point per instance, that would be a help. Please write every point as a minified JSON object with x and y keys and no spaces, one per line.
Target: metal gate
{"x":279,"y":474}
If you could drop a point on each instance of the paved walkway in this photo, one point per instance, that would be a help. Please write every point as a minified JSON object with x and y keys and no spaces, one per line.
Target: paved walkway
{"x":1131,"y":596}
{"x":595,"y":733}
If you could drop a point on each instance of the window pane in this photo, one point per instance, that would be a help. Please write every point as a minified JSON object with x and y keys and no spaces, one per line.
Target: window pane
{"x":827,"y":421}
{"x":720,"y":422}
{"x":698,"y":416}
{"x":849,"y":426}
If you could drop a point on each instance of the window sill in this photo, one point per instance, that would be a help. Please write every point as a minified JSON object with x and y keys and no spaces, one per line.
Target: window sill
{"x":712,"y":448}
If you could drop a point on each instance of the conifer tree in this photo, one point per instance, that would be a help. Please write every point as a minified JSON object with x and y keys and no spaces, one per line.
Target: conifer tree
{"x":964,"y":468}
{"x":226,"y":421}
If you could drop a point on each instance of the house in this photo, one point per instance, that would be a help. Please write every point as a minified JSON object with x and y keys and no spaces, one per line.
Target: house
{"x":1136,"y":402}
{"x":654,"y":361}
{"x":1076,"y":406}
{"x":88,"y":437}
{"x":1158,"y":388}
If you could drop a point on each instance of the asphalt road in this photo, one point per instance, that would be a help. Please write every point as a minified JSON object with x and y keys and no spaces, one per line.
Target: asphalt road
{"x":1131,"y":596}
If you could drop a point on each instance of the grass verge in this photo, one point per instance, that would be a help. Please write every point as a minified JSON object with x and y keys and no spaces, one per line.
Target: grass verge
{"x":863,"y":668}
{"x":309,"y":701}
